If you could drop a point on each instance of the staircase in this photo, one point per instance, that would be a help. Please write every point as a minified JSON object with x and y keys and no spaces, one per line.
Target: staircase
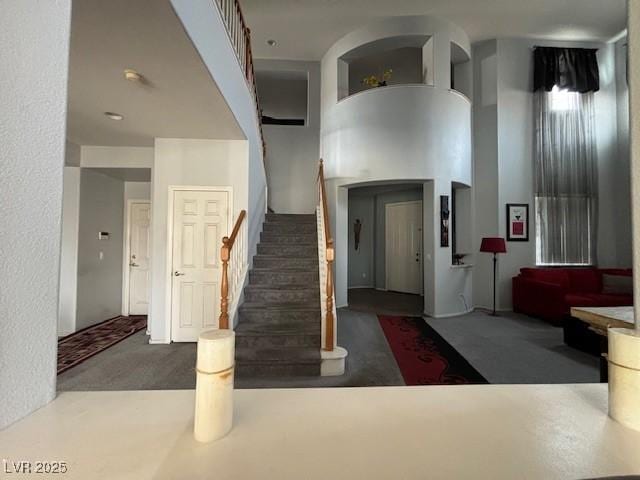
{"x":278,"y":332}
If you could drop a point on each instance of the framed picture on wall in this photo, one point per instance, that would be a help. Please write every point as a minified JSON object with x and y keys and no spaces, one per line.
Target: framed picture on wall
{"x":517,"y":222}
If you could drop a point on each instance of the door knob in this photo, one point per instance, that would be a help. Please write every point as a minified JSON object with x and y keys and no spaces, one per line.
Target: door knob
{"x":133,"y":264}
{"x":178,"y":274}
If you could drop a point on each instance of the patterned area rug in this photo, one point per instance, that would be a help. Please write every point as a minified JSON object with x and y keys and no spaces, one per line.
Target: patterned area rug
{"x":77,"y":347}
{"x":423,"y":356}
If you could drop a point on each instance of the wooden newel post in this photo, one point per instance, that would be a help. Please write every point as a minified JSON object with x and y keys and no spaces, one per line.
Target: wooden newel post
{"x":330,"y":334}
{"x":223,"y":322}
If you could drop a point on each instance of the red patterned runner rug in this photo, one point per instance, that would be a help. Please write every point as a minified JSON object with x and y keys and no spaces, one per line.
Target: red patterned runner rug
{"x":77,"y":347}
{"x":423,"y":356}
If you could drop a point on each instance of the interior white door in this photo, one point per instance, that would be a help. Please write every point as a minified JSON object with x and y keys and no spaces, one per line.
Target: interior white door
{"x":403,"y":247}
{"x":139,"y":257}
{"x":200,"y":221}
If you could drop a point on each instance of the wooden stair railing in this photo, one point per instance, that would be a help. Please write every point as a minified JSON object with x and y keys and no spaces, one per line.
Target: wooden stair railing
{"x":228,"y":253}
{"x":330,"y":257}
{"x":240,"y":36}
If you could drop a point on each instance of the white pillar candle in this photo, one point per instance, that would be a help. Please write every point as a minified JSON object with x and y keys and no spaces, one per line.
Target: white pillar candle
{"x":624,"y":376}
{"x":214,"y":385}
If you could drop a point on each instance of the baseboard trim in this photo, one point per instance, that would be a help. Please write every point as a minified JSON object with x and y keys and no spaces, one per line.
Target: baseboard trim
{"x":159,"y":342}
{"x":449,"y":315}
{"x":490,"y":309}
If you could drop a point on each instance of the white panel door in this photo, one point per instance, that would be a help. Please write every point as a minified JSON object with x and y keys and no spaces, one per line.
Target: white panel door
{"x":403,"y":247}
{"x":139,"y":257}
{"x":200,"y":221}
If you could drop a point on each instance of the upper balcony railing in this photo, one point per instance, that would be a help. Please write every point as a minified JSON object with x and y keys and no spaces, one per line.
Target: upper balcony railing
{"x":240,"y":36}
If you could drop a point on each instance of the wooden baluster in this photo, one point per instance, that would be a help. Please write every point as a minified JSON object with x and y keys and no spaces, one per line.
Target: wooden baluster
{"x":223,"y":322}
{"x":329,"y":336}
{"x":249,"y":61}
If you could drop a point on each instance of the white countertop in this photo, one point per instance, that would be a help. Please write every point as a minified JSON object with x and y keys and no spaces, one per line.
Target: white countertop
{"x":479,"y":432}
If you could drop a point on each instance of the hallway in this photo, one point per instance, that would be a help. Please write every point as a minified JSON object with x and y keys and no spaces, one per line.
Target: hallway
{"x":382,"y":302}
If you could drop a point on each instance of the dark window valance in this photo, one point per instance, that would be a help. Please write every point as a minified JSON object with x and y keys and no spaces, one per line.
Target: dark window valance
{"x":573,"y":69}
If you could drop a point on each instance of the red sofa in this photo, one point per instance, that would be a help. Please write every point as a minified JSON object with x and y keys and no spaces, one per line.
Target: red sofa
{"x":549,"y":293}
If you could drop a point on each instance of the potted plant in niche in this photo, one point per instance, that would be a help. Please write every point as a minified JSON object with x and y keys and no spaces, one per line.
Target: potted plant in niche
{"x":373,"y":81}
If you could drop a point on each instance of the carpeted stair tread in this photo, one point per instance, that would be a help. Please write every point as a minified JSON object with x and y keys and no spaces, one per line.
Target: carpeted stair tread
{"x":297,"y":355}
{"x":292,"y":269}
{"x":309,"y":277}
{"x":281,"y":287}
{"x":287,"y":250}
{"x":284,"y":306}
{"x":284,"y":263}
{"x":290,"y":218}
{"x":289,"y":328}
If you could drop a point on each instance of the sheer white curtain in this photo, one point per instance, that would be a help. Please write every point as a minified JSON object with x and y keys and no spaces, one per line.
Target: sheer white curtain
{"x":565,"y":178}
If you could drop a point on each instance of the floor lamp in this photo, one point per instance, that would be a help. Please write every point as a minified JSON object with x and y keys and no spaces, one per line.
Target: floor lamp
{"x":493,"y":245}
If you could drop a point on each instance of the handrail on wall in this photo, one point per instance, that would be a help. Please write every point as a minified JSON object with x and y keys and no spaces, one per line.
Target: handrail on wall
{"x":225,"y":255}
{"x":240,"y":36}
{"x":330,"y":257}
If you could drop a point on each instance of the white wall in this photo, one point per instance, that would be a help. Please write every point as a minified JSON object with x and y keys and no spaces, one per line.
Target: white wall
{"x":116,"y":157}
{"x":485,"y":162}
{"x":293,"y":151}
{"x":634,"y":98}
{"x":34,"y":53}
{"x":189,"y":162}
{"x":72,"y":154}
{"x":99,"y":277}
{"x":137,"y":191}
{"x":399,"y":132}
{"x":623,"y":185}
{"x":69,"y":251}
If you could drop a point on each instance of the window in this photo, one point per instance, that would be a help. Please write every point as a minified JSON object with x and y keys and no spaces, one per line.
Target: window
{"x":563,"y":100}
{"x":566,"y":179}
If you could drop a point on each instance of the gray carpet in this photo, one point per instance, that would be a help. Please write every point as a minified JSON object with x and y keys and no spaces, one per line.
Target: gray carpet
{"x":507,"y":349}
{"x":133,"y":364}
{"x":514,"y":348}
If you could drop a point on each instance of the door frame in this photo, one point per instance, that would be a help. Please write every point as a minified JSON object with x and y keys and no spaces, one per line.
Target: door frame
{"x":126,"y":249}
{"x":172,"y":189}
{"x":386,"y":256}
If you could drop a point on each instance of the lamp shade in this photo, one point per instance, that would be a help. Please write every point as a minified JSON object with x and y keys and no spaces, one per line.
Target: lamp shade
{"x":493,"y":245}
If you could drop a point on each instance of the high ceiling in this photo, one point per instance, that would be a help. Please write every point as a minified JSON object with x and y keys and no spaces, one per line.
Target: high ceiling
{"x":180,"y":100}
{"x":306,"y":29}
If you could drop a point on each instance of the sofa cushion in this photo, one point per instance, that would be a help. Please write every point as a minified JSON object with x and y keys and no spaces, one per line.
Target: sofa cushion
{"x":617,"y":284}
{"x":626,"y":272}
{"x":597,"y":300}
{"x":556,"y":276}
{"x":584,"y":280}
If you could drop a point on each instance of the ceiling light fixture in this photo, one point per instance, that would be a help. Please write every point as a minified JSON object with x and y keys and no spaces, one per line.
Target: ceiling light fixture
{"x":114,"y":116}
{"x":132,"y":75}
{"x":272,"y":43}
